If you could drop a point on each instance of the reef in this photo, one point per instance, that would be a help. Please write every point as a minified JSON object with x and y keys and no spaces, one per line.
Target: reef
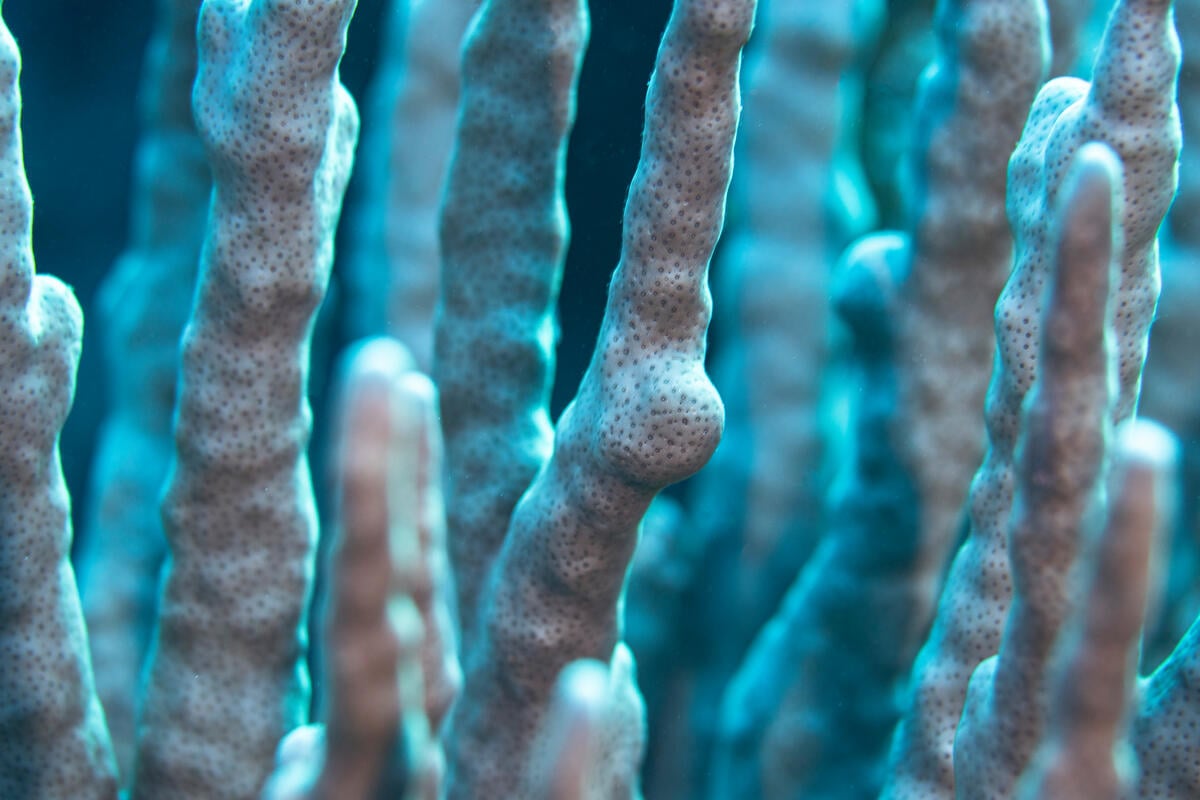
{"x":921,"y":526}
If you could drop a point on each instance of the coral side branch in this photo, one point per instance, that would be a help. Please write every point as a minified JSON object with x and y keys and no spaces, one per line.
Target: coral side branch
{"x":503,"y":239}
{"x":238,"y":512}
{"x":53,"y":740}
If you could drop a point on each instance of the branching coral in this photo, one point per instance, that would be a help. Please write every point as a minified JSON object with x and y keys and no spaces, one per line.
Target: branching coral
{"x":1026,"y":686}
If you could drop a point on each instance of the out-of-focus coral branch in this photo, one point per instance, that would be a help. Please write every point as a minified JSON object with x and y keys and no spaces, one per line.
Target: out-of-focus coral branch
{"x":917,"y":307}
{"x":1058,"y":470}
{"x":797,"y":198}
{"x":1068,"y":33}
{"x":1172,"y":378}
{"x":1085,"y":753}
{"x":392,"y":670}
{"x":143,"y":306}
{"x":583,"y":731}
{"x":393,"y":266}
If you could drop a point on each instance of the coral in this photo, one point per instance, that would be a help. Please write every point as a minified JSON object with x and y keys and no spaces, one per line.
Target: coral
{"x":502,"y":248}
{"x":143,"y":306}
{"x":393,"y":670}
{"x":1057,"y":466}
{"x":520,"y":570}
{"x":645,"y":414}
{"x":238,"y":510}
{"x":54,"y":744}
{"x":408,"y":129}
{"x":917,"y":307}
{"x":1085,"y":752}
{"x":1130,"y":105}
{"x":800,"y":197}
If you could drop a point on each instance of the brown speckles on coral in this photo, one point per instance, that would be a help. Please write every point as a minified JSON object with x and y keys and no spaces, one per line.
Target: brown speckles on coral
{"x":279,"y":130}
{"x":503,"y":239}
{"x":53,"y":742}
{"x":645,"y":416}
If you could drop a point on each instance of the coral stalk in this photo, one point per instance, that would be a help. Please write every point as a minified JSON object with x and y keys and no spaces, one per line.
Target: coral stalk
{"x":53,"y":741}
{"x":1086,"y":752}
{"x":645,"y":416}
{"x":1058,"y":471}
{"x":503,"y":242}
{"x":239,"y":515}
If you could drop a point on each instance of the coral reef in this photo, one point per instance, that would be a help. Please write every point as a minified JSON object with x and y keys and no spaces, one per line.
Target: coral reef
{"x":833,"y":608}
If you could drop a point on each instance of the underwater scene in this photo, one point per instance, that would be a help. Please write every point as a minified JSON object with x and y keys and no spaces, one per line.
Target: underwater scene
{"x":536,"y":399}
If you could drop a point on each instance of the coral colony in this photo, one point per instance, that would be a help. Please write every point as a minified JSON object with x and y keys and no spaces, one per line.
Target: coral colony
{"x":931,"y":549}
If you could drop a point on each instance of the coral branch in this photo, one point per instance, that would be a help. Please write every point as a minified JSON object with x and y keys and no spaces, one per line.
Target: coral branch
{"x":645,"y":416}
{"x":1138,"y":61}
{"x":1086,"y":752}
{"x":53,"y":740}
{"x":279,"y":130}
{"x":503,"y":241}
{"x":1058,"y":470}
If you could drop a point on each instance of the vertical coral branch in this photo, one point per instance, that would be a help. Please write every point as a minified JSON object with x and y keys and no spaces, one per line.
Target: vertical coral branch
{"x":1058,"y":472}
{"x":279,"y":130}
{"x":53,"y":741}
{"x":1086,"y":754}
{"x":392,"y":268}
{"x":645,"y":416}
{"x":503,"y":238}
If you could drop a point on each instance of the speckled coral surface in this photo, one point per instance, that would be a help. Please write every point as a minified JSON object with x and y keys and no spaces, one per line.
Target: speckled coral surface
{"x":503,"y":239}
{"x":1130,"y":106}
{"x":53,"y":741}
{"x":279,"y":131}
{"x":645,"y":415}
{"x":1058,"y":467}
